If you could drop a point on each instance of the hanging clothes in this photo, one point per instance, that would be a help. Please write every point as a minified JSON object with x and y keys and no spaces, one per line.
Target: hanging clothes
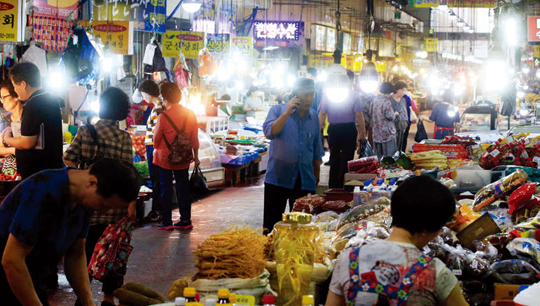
{"x":36,"y":56}
{"x":207,"y":65}
{"x":158,"y":62}
{"x":181,"y":71}
{"x":80,"y":58}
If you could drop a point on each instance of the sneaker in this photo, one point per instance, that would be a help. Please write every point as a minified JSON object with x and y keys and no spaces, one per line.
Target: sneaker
{"x":162,"y":226}
{"x":183,"y":225}
{"x":152,"y":217}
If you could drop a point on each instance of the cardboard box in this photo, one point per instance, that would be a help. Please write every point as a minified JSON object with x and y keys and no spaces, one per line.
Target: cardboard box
{"x":478,"y":230}
{"x":508,"y":291}
{"x":359,"y":176}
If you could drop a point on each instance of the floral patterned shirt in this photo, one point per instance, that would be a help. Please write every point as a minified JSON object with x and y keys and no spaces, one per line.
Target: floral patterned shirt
{"x":382,"y":119}
{"x":391,"y":261}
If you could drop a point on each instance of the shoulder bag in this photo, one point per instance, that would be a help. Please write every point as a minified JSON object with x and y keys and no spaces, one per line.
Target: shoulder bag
{"x":180,"y":149}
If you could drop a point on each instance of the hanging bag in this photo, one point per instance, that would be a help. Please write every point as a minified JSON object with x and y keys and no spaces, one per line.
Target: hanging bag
{"x":85,"y":163}
{"x":180,"y":149}
{"x":197,"y":182}
{"x":112,"y":251}
{"x":421,"y":133}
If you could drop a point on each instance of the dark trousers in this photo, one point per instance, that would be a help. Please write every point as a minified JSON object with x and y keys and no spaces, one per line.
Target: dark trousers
{"x":154,"y":177}
{"x":275,"y":202}
{"x":342,"y":141}
{"x":405,"y":137}
{"x":112,"y":282}
{"x":183,"y":194}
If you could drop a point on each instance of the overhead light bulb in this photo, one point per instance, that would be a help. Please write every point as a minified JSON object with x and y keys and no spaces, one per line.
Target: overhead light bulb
{"x":191,"y":6}
{"x":290,"y":80}
{"x":523,"y":112}
{"x":337,"y":85}
{"x":525,"y":70}
{"x":369,"y":86}
{"x":538,"y":74}
{"x":395,"y":68}
{"x":520,"y":94}
{"x":270,"y":48}
{"x":452,"y":111}
{"x":106,"y":64}
{"x":321,"y":77}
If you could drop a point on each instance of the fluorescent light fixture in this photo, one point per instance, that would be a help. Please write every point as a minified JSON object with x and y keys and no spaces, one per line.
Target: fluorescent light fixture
{"x":270,"y":48}
{"x":191,"y":6}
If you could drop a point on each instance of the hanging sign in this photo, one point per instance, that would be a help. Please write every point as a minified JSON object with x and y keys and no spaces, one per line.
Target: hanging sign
{"x":313,"y":61}
{"x":218,"y":43}
{"x":534,"y":28}
{"x":12,"y":20}
{"x":120,"y":36}
{"x":153,"y":12}
{"x":536,"y":50}
{"x":326,"y":60}
{"x":453,"y":3}
{"x":190,"y":42}
{"x":381,"y":66}
{"x":432,"y":44}
{"x":242,"y":44}
{"x":57,"y":8}
{"x":357,"y":63}
{"x":277,"y":30}
{"x":52,"y":33}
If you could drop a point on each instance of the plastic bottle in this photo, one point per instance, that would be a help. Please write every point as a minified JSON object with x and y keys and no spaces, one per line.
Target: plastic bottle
{"x":232,"y":298}
{"x":180,"y":301}
{"x":269,"y":300}
{"x":294,"y":269}
{"x":308,"y":300}
{"x":357,"y":199}
{"x":189,"y":294}
{"x":223,"y":297}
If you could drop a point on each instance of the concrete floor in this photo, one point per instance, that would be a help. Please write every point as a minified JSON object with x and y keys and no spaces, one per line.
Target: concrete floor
{"x":161,"y":257}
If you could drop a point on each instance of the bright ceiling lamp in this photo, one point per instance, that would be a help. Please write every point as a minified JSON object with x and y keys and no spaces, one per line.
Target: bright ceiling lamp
{"x":191,"y":6}
{"x":337,"y":85}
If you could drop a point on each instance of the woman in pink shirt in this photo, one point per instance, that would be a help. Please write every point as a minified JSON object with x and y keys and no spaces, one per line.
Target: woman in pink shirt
{"x":185,"y":121}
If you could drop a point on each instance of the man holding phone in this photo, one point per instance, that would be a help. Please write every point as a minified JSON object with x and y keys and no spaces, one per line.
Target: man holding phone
{"x":295,"y":154}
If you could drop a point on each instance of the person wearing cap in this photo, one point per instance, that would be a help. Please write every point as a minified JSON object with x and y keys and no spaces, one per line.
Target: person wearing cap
{"x":347,"y":127}
{"x":295,"y":154}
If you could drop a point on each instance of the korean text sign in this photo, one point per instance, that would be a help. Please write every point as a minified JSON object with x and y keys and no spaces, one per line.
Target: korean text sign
{"x":534,"y":28}
{"x":242,"y":44}
{"x":11,"y":20}
{"x":136,"y":10}
{"x":190,"y":42}
{"x":118,"y":34}
{"x":218,"y":43}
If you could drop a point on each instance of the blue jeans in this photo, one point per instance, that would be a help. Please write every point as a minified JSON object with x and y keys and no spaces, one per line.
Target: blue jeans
{"x":154,"y":177}
{"x":183,"y":194}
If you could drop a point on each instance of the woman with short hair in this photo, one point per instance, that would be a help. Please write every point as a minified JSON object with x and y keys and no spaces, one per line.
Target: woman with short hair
{"x":11,"y":124}
{"x":395,"y":271}
{"x":175,"y":121}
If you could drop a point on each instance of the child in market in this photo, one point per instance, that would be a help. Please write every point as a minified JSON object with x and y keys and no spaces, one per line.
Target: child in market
{"x":384,"y":272}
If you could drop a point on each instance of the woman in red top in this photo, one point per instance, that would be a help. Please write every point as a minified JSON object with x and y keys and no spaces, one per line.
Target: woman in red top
{"x":164,"y":135}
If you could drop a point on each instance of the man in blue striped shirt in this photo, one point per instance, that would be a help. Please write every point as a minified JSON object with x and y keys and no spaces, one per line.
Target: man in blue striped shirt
{"x":296,"y":152}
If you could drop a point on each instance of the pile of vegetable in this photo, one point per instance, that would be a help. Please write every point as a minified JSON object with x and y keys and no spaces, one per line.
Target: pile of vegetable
{"x":136,"y":294}
{"x":138,"y":145}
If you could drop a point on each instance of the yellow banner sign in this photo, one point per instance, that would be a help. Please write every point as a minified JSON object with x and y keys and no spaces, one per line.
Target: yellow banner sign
{"x":381,"y":66}
{"x":536,"y":50}
{"x":118,"y":34}
{"x":11,"y":20}
{"x":425,"y":3}
{"x":242,"y":44}
{"x":432,"y":44}
{"x":357,"y":63}
{"x":190,"y":43}
{"x":453,"y":3}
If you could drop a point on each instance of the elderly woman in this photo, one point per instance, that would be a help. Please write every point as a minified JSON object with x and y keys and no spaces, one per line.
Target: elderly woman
{"x":11,"y":123}
{"x":395,"y":271}
{"x":382,"y":119}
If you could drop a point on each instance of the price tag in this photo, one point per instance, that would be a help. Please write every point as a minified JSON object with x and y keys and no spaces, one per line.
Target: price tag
{"x":457,"y":272}
{"x":536,"y":160}
{"x":495,"y":152}
{"x":245,"y":300}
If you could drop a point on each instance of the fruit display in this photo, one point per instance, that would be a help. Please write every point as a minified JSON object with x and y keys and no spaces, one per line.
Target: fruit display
{"x":138,"y":145}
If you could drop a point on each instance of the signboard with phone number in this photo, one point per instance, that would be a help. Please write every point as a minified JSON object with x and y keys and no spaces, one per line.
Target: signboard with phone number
{"x":190,"y":42}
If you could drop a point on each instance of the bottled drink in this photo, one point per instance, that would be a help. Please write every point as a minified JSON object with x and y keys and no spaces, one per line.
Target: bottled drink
{"x":269,"y":300}
{"x":189,"y":294}
{"x":223,"y":297}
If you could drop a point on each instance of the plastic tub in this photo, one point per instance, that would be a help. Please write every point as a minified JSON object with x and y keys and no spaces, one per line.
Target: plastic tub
{"x":472,"y":179}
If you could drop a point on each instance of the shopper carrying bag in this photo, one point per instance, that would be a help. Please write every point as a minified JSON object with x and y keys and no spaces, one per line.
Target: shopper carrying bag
{"x":197,"y":182}
{"x":421,"y":133}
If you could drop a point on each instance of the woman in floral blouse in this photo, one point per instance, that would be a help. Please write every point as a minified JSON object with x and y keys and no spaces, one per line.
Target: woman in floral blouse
{"x":382,"y":118}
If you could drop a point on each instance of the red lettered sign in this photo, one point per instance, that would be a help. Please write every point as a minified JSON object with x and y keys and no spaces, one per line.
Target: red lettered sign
{"x":534,"y":28}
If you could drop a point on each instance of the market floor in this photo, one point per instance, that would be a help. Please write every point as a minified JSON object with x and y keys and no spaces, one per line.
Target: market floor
{"x":161,"y":257}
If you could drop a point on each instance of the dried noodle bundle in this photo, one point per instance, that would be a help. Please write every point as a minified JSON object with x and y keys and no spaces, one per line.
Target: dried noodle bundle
{"x":234,"y":253}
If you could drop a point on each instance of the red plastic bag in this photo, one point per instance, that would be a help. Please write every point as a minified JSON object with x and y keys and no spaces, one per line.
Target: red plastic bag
{"x":521,"y":197}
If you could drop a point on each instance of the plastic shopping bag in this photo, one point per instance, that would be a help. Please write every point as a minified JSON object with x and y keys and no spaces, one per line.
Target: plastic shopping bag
{"x":365,"y":149}
{"x":421,"y":133}
{"x":197,"y":182}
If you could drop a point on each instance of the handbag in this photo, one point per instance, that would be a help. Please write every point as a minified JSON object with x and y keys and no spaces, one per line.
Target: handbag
{"x":413,"y":118}
{"x":421,"y":133}
{"x":197,"y":182}
{"x":180,"y":149}
{"x":112,"y":251}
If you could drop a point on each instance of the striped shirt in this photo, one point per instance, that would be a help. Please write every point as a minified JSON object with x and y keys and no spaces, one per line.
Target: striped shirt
{"x":114,"y":143}
{"x":152,"y":121}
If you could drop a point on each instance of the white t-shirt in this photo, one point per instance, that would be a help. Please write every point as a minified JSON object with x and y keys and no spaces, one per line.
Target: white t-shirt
{"x":390,"y":261}
{"x":253,"y":103}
